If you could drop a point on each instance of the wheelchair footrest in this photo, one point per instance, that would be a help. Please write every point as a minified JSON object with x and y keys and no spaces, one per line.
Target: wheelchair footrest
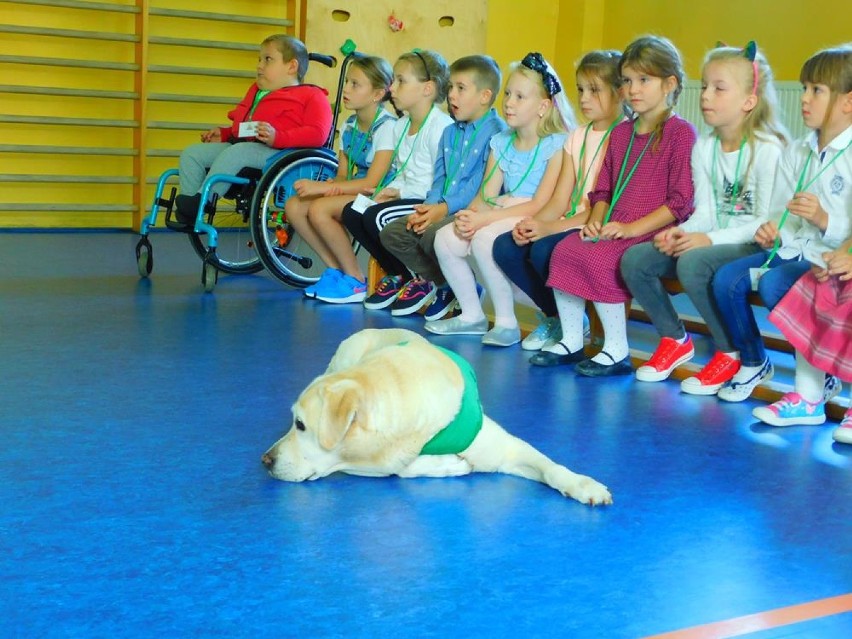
{"x":180,"y":227}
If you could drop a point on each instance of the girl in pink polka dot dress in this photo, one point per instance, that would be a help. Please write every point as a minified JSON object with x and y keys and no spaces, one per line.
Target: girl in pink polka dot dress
{"x":644,"y":185}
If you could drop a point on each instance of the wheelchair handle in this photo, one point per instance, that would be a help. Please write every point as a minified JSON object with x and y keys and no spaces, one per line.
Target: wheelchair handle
{"x":326,"y":60}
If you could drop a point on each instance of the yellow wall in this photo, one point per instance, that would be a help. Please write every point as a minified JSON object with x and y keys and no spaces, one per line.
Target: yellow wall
{"x":786,"y":30}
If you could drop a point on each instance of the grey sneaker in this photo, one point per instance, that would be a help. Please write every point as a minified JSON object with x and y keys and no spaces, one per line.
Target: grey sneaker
{"x":456,"y":326}
{"x":500,"y":336}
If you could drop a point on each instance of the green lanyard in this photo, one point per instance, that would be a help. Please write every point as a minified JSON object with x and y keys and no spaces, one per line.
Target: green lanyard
{"x":580,"y":184}
{"x":262,"y":93}
{"x":799,"y":188}
{"x":452,"y":170}
{"x":735,"y":186}
{"x":350,"y":155}
{"x":526,"y":174}
{"x":387,"y":178}
{"x":622,"y":181}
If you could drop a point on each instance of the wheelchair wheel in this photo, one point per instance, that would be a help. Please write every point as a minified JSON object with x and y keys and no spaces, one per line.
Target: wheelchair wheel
{"x":284,"y":254}
{"x":235,"y":250}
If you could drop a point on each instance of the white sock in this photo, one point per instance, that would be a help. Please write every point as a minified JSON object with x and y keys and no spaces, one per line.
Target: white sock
{"x":452,"y":253}
{"x":810,"y":381}
{"x":747,"y":372}
{"x":571,"y":312}
{"x":733,"y":355}
{"x":614,"y":321}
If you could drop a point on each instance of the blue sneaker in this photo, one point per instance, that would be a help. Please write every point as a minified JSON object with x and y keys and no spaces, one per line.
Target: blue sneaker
{"x":327,"y":274}
{"x":791,"y":410}
{"x":444,"y":303}
{"x":342,"y":290}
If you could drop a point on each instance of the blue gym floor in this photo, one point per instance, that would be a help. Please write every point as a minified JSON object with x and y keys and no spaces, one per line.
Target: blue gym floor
{"x":133,"y":502}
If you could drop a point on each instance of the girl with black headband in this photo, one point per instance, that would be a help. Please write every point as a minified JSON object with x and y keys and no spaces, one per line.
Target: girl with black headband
{"x":519,"y":179}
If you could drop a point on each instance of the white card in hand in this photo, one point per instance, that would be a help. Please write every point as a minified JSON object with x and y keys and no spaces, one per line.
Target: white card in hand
{"x":362,"y":203}
{"x":248,"y":129}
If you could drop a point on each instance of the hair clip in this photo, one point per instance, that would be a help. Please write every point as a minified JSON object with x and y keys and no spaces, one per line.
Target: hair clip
{"x":750,"y":52}
{"x":536,"y":62}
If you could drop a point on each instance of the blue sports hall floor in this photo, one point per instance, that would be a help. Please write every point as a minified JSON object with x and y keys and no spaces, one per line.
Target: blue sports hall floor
{"x":133,"y":502}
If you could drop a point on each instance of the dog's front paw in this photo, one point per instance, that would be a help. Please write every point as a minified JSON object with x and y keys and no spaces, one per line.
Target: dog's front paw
{"x":588,"y":491}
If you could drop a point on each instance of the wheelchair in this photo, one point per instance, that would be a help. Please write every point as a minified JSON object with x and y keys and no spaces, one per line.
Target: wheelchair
{"x":255,"y":234}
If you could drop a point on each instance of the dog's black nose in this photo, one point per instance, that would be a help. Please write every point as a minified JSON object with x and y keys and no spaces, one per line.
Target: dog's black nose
{"x":267,"y":460}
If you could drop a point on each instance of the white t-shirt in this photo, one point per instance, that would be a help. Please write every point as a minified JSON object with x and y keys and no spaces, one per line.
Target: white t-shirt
{"x":417,"y":153}
{"x":724,"y":220}
{"x":833,"y":187}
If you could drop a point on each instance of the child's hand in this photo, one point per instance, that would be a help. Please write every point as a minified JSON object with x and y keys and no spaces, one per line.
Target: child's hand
{"x":425,"y":215}
{"x":309,"y":188}
{"x":467,"y":223}
{"x":531,"y":230}
{"x":386,"y":195}
{"x":213,"y":135}
{"x":665,"y":239}
{"x":807,"y":207}
{"x":265,"y":133}
{"x":522,"y":230}
{"x":819,"y":272}
{"x":616,"y":231}
{"x":838,"y":264}
{"x":766,"y":234}
{"x":590,"y":231}
{"x":688,"y":241}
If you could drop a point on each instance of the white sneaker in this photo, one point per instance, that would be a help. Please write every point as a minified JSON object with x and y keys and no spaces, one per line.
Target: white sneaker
{"x":549,"y":329}
{"x":743,"y":383}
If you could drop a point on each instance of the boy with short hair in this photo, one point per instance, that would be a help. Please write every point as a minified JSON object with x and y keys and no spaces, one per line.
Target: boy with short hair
{"x":284,"y":113}
{"x":475,"y":82}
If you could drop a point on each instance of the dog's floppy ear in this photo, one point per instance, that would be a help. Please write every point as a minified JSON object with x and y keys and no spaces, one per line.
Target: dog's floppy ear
{"x":340,"y":403}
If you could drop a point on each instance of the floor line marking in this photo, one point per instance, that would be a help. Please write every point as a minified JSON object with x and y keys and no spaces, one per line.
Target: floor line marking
{"x":747,"y":624}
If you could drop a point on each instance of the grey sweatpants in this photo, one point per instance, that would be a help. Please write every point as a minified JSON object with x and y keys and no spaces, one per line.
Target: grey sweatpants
{"x":219,"y":157}
{"x":643,"y":265}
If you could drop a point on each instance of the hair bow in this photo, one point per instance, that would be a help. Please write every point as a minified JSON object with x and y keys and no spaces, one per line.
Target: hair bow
{"x":536,"y":62}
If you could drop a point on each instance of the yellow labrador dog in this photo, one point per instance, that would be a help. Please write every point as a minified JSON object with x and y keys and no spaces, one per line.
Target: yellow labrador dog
{"x":391,"y":403}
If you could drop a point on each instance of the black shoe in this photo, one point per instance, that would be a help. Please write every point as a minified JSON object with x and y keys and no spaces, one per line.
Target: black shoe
{"x":546,"y":358}
{"x":186,"y":208}
{"x":591,"y":368}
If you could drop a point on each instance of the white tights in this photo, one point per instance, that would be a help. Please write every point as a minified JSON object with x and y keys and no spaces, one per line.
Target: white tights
{"x":452,"y":252}
{"x":571,"y":311}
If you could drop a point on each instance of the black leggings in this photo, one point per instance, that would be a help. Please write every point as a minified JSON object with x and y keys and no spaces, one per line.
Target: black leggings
{"x":365,"y":227}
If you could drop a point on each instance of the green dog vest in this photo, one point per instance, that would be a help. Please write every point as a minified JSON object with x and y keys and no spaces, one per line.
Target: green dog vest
{"x":459,"y":433}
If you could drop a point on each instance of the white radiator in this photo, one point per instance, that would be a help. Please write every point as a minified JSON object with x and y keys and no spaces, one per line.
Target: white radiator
{"x":789,"y":103}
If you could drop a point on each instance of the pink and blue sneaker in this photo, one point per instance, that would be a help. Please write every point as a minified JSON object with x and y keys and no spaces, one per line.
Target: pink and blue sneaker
{"x":791,"y":410}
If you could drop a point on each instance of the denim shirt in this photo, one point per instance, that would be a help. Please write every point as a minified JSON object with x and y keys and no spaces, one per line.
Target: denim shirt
{"x":464,"y":153}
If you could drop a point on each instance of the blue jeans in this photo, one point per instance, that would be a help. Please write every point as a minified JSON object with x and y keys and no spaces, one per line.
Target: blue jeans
{"x":527,"y":266}
{"x":731,"y":287}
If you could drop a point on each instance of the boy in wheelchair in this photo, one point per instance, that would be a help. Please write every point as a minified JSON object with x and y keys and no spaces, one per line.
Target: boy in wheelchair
{"x":277,"y":112}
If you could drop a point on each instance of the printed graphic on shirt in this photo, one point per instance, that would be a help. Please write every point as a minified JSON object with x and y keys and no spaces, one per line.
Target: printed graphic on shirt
{"x":744,"y":204}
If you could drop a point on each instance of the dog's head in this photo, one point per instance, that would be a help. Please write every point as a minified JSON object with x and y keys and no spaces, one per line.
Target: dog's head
{"x":372,"y":417}
{"x":322,"y":417}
